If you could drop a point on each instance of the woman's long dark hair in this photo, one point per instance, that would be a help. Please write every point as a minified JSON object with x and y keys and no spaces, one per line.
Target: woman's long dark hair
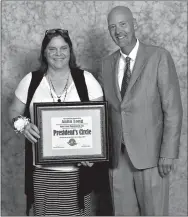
{"x":47,"y":38}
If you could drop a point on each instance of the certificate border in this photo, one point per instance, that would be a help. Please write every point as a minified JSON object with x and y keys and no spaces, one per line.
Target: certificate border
{"x":40,"y":159}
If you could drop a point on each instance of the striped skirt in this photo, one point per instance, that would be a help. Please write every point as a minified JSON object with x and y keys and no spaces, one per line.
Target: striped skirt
{"x":56,"y":193}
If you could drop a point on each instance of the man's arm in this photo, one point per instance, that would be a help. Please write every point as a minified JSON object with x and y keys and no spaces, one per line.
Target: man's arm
{"x":99,"y":74}
{"x":169,"y":90}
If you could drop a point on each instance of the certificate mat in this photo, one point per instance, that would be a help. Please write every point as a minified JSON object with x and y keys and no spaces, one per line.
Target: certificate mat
{"x":71,"y":132}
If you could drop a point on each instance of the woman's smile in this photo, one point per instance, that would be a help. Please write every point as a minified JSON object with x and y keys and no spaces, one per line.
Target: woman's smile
{"x":57,"y":53}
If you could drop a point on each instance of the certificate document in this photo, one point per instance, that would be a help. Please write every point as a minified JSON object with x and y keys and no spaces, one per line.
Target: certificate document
{"x":71,"y":132}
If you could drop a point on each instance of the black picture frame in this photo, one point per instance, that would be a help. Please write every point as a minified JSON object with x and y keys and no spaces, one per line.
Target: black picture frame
{"x":58,"y":122}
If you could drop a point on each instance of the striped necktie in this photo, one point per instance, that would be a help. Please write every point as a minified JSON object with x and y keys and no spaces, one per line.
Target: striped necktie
{"x":126,"y":77}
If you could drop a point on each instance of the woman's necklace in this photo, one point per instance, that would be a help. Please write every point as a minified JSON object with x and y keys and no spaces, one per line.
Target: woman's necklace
{"x":64,"y":90}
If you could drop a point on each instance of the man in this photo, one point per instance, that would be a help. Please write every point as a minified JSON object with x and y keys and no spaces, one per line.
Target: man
{"x":145,"y":117}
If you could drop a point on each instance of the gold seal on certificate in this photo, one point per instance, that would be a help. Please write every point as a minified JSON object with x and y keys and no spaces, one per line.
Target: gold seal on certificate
{"x":71,"y":132}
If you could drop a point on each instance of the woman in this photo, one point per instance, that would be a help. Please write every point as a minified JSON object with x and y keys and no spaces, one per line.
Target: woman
{"x":56,"y":83}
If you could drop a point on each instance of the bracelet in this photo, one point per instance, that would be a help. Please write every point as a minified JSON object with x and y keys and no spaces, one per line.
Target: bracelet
{"x":19,"y":123}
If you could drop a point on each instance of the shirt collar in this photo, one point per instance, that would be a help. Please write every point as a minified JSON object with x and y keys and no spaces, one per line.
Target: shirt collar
{"x":133,"y":53}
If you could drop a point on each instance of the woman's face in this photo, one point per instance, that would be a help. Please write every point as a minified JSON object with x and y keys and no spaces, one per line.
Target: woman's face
{"x":57,"y":53}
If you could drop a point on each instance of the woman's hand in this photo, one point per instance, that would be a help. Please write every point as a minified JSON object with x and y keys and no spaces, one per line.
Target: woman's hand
{"x":31,"y":132}
{"x":85,"y":163}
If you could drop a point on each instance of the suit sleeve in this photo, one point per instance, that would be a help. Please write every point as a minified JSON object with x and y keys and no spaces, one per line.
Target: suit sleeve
{"x":99,"y":75}
{"x":169,"y":90}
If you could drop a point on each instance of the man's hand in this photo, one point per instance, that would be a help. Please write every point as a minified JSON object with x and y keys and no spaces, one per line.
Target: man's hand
{"x":165,"y":165}
{"x":85,"y":163}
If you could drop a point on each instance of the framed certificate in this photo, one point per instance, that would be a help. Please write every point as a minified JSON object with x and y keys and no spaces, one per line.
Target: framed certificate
{"x":71,"y":132}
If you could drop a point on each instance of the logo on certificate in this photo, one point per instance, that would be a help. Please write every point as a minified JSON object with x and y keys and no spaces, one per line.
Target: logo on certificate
{"x":72,"y":142}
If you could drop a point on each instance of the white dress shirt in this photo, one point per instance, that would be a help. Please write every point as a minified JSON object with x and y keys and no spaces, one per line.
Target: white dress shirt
{"x":122,"y":62}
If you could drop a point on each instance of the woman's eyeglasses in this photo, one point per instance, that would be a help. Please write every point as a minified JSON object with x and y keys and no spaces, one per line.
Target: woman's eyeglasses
{"x":52,"y":31}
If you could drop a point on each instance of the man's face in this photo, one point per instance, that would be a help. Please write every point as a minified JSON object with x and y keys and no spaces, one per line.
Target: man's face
{"x":121,"y":28}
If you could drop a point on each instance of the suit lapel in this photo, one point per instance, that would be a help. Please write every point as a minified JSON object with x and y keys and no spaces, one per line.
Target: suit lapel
{"x":110,"y":78}
{"x":116,"y":67}
{"x":137,"y":69}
